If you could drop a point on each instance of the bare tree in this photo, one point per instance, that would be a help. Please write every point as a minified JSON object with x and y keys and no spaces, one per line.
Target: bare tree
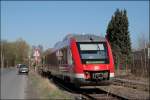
{"x":140,"y":60}
{"x":142,"y":41}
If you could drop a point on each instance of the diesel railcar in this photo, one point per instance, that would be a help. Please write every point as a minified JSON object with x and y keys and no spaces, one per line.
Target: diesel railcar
{"x":81,"y":60}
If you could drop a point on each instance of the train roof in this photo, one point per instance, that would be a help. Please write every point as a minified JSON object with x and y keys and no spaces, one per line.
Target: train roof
{"x":85,"y":38}
{"x":78,"y":38}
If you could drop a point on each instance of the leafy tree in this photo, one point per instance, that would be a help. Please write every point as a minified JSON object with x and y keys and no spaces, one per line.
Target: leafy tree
{"x":119,"y":37}
{"x":7,"y":54}
{"x":14,"y":52}
{"x":3,"y":52}
{"x":22,"y":50}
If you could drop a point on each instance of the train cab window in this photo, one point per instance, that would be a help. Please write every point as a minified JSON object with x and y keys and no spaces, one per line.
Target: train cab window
{"x":93,"y":52}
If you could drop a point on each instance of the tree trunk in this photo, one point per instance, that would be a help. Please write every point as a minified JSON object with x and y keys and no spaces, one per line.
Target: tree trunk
{"x":2,"y":60}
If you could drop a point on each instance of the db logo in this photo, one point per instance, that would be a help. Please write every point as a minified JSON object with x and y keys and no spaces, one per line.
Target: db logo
{"x":96,"y":67}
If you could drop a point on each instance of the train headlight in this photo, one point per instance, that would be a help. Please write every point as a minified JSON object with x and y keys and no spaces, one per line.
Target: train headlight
{"x":96,"y":67}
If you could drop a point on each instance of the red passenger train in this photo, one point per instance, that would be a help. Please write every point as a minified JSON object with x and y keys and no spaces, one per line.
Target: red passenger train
{"x":81,"y":60}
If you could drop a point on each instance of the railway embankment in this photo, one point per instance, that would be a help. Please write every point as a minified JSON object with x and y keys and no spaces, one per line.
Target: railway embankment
{"x":126,"y":92}
{"x":132,"y":81}
{"x":43,"y":88}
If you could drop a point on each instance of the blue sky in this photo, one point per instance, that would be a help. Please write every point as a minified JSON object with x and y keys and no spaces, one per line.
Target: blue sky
{"x":47,"y":22}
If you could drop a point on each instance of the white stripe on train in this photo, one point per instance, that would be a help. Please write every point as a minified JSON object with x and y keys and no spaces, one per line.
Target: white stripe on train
{"x":82,"y":75}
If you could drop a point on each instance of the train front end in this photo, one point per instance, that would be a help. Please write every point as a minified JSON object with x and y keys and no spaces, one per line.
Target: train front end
{"x":93,"y":61}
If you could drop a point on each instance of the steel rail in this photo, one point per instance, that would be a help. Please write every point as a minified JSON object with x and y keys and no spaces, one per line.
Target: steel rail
{"x":81,"y":94}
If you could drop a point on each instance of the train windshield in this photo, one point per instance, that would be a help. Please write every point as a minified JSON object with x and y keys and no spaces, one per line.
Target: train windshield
{"x":93,"y":53}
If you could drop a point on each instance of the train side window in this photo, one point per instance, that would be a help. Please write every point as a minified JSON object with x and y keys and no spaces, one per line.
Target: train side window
{"x":59,"y":55}
{"x":69,"y":57}
{"x":64,"y":57}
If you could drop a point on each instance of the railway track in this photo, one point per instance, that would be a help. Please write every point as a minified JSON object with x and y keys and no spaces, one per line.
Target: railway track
{"x":90,"y":93}
{"x":131,"y":84}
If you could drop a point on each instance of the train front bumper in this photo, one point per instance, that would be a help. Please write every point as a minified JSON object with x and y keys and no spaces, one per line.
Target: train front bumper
{"x":81,"y":80}
{"x":84,"y":82}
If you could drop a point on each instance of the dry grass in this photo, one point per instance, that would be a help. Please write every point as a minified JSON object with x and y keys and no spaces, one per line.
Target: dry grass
{"x":128,"y":93}
{"x":45,"y":89}
{"x":128,"y":75}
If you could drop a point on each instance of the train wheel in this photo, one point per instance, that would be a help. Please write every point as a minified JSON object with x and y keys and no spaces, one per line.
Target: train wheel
{"x":49,"y":75}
